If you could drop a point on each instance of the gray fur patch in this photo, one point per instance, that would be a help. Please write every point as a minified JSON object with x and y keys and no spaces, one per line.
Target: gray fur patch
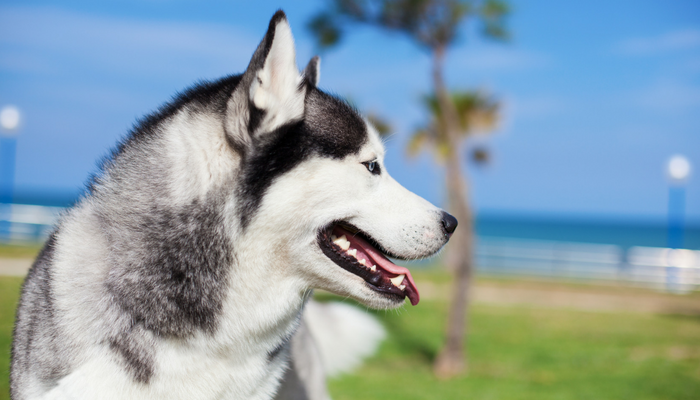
{"x":173,"y":279}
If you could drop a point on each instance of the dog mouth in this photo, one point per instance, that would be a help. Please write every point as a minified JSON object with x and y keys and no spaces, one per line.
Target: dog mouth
{"x":357,"y":253}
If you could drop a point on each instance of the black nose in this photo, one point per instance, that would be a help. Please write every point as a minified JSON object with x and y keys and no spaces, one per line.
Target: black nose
{"x":449,"y":223}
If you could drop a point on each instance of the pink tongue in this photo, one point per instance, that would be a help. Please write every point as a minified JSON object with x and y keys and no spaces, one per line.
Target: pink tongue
{"x":368,"y":251}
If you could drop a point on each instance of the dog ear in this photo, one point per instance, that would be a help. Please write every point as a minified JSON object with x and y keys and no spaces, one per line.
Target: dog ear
{"x":271,"y":91}
{"x":312,"y":72}
{"x":275,"y":90}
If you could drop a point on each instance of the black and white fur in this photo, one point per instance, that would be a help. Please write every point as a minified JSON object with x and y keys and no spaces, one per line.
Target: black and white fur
{"x":184,"y":272}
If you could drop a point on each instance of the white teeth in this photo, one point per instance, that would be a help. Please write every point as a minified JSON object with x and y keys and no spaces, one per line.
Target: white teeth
{"x":333,"y":237}
{"x":374,"y":268}
{"x":363,"y":262}
{"x":342,"y":242}
{"x":402,"y":287}
{"x":353,"y":252}
{"x":397,"y":280}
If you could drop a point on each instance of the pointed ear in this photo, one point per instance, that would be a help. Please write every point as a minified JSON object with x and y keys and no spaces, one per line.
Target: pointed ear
{"x":274,"y":82}
{"x":312,"y":72}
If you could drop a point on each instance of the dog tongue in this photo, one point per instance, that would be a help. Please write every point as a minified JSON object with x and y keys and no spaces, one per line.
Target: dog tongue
{"x":389,"y":268}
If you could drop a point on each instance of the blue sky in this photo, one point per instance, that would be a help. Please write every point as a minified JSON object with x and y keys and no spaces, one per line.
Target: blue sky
{"x":596,"y":95}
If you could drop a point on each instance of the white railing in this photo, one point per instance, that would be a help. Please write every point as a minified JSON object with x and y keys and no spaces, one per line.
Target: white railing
{"x":676,"y":270}
{"x":27,"y":223}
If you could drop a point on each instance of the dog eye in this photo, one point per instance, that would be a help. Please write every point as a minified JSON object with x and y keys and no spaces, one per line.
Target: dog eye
{"x":372,"y":167}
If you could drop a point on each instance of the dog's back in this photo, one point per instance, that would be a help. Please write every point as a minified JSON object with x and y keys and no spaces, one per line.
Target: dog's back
{"x":38,"y":355}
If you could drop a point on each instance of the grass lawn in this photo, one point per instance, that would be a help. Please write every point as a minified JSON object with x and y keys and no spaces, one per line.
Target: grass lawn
{"x":515,"y":353}
{"x":9,"y":294}
{"x":521,"y":353}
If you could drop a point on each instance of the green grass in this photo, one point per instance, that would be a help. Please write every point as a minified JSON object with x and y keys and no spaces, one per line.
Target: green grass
{"x":529,"y":353}
{"x":515,"y":353}
{"x":9,"y":294}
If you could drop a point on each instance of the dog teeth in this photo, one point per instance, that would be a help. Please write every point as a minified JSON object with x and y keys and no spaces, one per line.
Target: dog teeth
{"x":353,"y":252}
{"x":342,"y":242}
{"x":363,"y":262}
{"x":374,"y":268}
{"x":396,"y":281}
{"x":402,"y":287}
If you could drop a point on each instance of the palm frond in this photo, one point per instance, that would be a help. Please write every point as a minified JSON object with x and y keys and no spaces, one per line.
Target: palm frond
{"x":382,"y":125}
{"x":419,"y":141}
{"x":478,"y":112}
{"x":326,"y":29}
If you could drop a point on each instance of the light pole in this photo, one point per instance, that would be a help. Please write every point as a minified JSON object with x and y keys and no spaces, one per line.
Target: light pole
{"x":10,"y":119}
{"x":678,"y":170}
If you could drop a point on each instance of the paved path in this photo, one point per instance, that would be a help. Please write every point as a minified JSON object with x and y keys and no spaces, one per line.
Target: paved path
{"x":524,"y":293}
{"x":15,"y":266}
{"x":587,"y":298}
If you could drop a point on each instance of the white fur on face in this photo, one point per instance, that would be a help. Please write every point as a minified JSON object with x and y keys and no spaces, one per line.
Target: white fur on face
{"x":344,"y":190}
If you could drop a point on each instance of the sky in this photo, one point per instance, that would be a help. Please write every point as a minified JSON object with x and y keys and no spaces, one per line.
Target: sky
{"x":596,"y":96}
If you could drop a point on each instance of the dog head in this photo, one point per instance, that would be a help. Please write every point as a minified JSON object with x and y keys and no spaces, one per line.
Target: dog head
{"x":314,"y":190}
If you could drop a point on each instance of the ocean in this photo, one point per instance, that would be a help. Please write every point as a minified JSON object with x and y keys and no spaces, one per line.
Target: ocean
{"x":625,"y":234}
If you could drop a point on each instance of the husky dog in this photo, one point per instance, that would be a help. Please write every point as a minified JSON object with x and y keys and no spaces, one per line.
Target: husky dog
{"x":183,"y":274}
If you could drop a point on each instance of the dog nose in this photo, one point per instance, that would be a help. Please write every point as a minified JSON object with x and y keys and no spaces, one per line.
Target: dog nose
{"x":449,"y":223}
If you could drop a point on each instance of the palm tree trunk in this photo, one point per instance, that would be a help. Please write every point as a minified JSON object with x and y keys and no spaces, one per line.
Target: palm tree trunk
{"x":452,"y":358}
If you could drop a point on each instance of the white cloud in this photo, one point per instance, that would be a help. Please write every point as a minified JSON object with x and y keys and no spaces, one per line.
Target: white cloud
{"x":670,"y":41}
{"x":34,"y":38}
{"x":668,"y":96}
{"x":692,"y":65}
{"x":536,"y":107}
{"x":501,"y":58}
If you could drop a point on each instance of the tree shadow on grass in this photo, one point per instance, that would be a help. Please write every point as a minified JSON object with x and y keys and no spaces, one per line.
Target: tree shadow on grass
{"x":410,"y":342}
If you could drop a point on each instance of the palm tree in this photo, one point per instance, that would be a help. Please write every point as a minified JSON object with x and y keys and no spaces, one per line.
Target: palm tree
{"x":434,"y":26}
{"x":476,"y":112}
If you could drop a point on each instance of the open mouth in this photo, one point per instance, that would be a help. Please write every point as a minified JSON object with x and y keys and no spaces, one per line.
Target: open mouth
{"x":353,"y":251}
